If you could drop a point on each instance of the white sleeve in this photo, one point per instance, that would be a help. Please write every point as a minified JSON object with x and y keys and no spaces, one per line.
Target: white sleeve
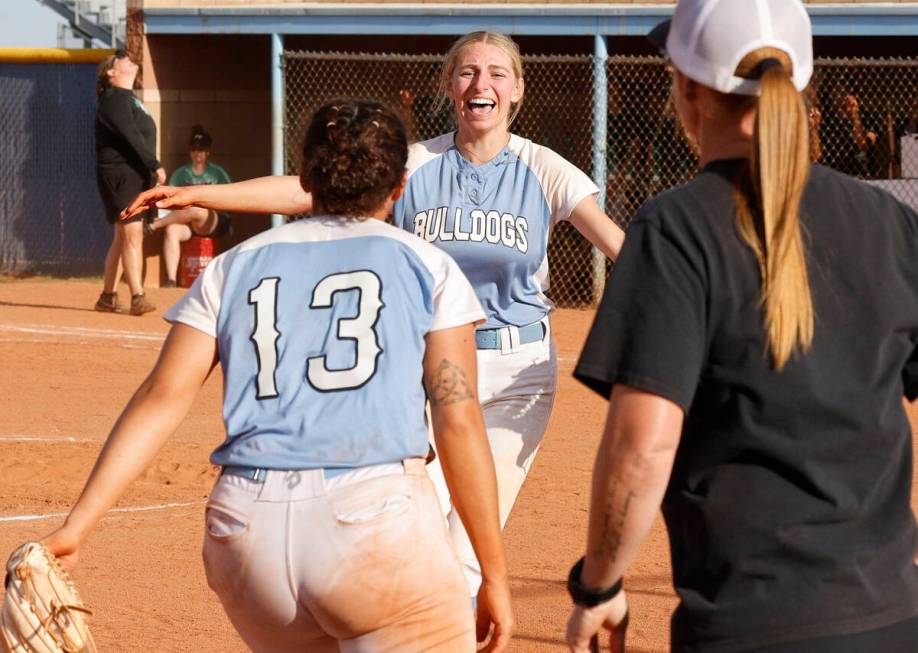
{"x":200,"y":306}
{"x":454,"y":300}
{"x":565,"y":185}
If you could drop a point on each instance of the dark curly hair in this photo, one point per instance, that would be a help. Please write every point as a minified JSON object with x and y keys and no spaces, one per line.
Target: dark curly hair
{"x":354,"y":156}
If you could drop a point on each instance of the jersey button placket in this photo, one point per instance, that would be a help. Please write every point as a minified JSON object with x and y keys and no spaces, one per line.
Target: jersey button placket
{"x":475,"y":187}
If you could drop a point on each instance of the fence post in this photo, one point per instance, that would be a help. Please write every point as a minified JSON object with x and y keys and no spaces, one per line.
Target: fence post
{"x":600,"y":142}
{"x":277,"y":113}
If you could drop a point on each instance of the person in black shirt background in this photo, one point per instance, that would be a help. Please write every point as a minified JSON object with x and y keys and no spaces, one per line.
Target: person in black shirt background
{"x":756,"y":340}
{"x":126,"y":165}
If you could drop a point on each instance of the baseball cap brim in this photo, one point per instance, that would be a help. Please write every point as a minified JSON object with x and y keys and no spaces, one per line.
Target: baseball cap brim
{"x":657,"y":36}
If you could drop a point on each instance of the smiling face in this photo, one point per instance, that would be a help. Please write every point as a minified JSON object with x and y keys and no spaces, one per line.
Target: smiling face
{"x":484,"y":87}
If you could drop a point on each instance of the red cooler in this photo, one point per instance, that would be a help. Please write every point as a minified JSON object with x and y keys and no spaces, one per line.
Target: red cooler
{"x":197,"y":252}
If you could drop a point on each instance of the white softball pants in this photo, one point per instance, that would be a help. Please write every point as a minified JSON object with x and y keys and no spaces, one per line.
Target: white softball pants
{"x":517,"y":391}
{"x":359,"y":562}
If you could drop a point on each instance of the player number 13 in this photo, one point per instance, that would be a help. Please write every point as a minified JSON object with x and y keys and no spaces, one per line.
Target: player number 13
{"x":361,"y":329}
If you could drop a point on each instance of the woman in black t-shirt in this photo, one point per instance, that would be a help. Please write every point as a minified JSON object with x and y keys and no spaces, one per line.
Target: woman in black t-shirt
{"x":126,"y":165}
{"x":756,"y":339}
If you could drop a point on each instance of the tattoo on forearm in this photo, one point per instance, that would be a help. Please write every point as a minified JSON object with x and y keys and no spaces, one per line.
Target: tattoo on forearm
{"x":618,"y":501}
{"x":449,"y":385}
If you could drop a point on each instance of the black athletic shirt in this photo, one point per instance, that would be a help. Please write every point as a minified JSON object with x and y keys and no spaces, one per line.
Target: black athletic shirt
{"x":125,"y":131}
{"x":788,"y":507}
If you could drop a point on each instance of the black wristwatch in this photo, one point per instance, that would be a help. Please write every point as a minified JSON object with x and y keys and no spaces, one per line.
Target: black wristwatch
{"x":587,"y":596}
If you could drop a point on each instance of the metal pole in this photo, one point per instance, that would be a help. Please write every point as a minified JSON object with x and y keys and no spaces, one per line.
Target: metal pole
{"x":600,"y":143}
{"x":277,"y":113}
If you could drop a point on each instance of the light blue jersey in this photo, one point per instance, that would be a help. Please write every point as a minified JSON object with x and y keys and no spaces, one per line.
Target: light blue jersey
{"x":321,"y":326}
{"x":493,"y":219}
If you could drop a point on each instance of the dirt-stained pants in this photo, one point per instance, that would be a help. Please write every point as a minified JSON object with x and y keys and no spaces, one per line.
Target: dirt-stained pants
{"x":358,"y":562}
{"x":516,"y":389}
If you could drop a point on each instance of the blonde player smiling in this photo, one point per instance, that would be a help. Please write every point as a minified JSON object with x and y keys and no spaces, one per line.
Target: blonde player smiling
{"x":489,"y":198}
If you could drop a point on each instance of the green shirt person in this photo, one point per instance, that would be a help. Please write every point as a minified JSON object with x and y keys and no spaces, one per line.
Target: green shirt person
{"x":212,"y":174}
{"x":181,"y":225}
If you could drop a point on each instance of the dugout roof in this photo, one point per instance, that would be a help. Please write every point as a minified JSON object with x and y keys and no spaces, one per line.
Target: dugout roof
{"x":881,"y":19}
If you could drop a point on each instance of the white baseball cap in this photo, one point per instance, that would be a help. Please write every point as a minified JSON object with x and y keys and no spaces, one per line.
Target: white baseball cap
{"x":707,"y":39}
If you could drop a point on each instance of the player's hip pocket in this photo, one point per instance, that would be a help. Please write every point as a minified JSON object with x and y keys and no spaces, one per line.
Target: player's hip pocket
{"x":361,"y":510}
{"x":389,"y":547}
{"x":381,"y":513}
{"x":228,"y":524}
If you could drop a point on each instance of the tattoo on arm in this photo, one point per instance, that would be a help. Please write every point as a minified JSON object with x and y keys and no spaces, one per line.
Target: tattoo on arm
{"x":449,"y":385}
{"x":618,"y":501}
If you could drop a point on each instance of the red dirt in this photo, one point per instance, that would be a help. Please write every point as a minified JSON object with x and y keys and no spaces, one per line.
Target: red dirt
{"x":141,"y":571}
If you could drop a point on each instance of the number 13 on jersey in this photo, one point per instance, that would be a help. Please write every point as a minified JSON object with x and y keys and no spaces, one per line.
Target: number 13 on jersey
{"x":361,"y":329}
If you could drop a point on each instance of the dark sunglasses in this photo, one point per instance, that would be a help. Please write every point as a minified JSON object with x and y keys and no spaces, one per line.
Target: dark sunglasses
{"x":120,"y":54}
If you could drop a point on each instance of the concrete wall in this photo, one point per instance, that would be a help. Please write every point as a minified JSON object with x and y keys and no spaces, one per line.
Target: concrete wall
{"x":218,"y":82}
{"x":223,"y":84}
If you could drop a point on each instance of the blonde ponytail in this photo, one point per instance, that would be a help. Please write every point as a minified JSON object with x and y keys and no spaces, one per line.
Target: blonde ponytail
{"x":768,"y":214}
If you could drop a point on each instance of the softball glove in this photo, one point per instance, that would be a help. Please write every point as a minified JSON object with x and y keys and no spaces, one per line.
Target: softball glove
{"x":42,"y":611}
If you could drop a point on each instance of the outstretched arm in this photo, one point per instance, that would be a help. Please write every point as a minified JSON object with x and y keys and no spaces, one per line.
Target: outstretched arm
{"x":450,"y":377}
{"x":282,"y":195}
{"x":153,"y":414}
{"x":632,"y":470}
{"x":597,"y":227}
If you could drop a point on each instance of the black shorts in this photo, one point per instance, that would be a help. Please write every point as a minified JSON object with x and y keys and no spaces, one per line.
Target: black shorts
{"x":118,"y":186}
{"x":898,"y":638}
{"x":220,"y":229}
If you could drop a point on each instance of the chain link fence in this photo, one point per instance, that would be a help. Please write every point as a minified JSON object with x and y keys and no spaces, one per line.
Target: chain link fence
{"x":864,"y":113}
{"x":50,"y":213}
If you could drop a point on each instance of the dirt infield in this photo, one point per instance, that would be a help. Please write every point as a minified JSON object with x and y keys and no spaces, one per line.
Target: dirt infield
{"x":67,"y":373}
